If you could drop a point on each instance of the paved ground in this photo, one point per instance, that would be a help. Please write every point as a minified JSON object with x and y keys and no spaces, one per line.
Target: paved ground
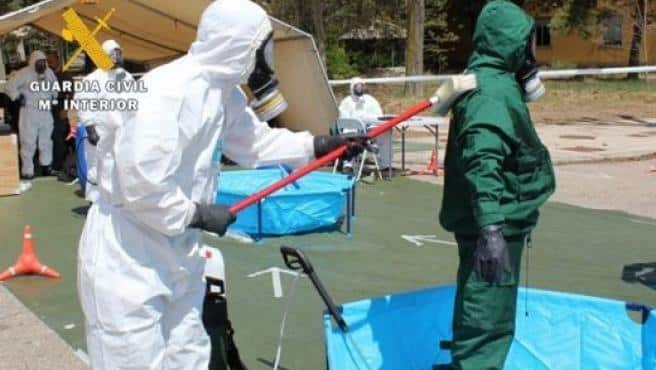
{"x":374,"y":262}
{"x":577,"y":250}
{"x":27,"y":343}
{"x":568,"y":144}
{"x":625,"y":186}
{"x":599,"y":166}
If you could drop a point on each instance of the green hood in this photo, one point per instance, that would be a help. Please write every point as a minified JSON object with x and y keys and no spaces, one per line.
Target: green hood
{"x":500,"y":38}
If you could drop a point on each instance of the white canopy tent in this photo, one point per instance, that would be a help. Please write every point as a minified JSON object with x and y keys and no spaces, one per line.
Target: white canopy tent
{"x":157,"y":30}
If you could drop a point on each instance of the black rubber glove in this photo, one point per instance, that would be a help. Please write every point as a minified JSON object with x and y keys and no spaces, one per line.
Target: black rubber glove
{"x":491,"y":259}
{"x":214,"y":218}
{"x":356,"y":144}
{"x":92,"y":135}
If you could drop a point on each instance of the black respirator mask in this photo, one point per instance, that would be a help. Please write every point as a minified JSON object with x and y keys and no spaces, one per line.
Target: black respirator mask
{"x":116,"y":56}
{"x":40,"y":66}
{"x":527,"y":76}
{"x":269,"y":102}
{"x":359,"y":89}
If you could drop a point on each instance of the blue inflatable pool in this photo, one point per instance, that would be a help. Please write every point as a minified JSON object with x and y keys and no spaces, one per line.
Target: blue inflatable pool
{"x":317,"y":201}
{"x":561,"y":331}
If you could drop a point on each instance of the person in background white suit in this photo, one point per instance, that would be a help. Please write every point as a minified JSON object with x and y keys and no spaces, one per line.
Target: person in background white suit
{"x":140,"y":277}
{"x":35,"y":124}
{"x":365,"y":107}
{"x":93,"y":119}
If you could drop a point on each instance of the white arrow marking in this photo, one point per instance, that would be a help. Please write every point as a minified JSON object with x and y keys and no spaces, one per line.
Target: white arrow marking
{"x":412,"y":239}
{"x":418,"y":239}
{"x":275,"y":278}
{"x":635,"y":220}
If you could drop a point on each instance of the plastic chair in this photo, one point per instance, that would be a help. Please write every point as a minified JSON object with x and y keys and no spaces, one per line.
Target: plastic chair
{"x":355,"y":126}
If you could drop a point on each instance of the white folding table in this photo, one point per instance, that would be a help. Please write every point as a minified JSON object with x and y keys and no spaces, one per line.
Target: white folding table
{"x":432,"y":124}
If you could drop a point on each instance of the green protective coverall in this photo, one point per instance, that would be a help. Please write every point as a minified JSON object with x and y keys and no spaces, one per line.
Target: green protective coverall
{"x":497,"y":172}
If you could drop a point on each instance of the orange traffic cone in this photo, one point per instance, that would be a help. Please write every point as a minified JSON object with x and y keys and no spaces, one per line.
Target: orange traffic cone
{"x":432,"y":168}
{"x":27,"y":262}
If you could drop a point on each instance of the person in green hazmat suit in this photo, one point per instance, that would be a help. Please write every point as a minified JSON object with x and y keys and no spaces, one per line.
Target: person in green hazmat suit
{"x":498,"y":173}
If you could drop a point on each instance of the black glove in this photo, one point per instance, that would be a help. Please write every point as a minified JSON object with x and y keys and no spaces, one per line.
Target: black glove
{"x":491,"y":259}
{"x":92,"y":135}
{"x":214,"y":218}
{"x":355,"y":145}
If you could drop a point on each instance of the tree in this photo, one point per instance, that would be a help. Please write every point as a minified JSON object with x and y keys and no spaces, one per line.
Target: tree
{"x":327,"y":20}
{"x":7,"y":6}
{"x":439,"y":36}
{"x":576,"y":16}
{"x":4,"y":7}
{"x":414,"y":53}
{"x":639,"y":30}
{"x":316,"y":9}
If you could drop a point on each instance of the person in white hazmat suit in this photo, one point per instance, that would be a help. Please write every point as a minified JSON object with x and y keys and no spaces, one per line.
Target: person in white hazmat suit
{"x":35,"y":123}
{"x":365,"y":107}
{"x":92,"y":119}
{"x":139,"y":272}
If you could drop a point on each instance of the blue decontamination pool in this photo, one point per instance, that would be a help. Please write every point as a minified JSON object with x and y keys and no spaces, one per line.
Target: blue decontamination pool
{"x":562,"y":331}
{"x":320,"y":200}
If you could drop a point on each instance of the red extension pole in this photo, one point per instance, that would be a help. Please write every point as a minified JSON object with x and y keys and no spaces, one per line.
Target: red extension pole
{"x":329,"y":158}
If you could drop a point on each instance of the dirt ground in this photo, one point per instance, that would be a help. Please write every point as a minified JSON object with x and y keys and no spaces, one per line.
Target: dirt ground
{"x":624,"y":186}
{"x":569,"y":101}
{"x":595,"y":101}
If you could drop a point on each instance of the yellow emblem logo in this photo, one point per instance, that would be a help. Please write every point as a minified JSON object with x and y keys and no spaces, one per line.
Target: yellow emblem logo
{"x":77,"y":31}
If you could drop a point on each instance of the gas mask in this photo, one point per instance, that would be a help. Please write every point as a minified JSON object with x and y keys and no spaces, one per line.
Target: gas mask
{"x":359,"y":89}
{"x":40,"y":66}
{"x":116,"y":55}
{"x":527,"y":75}
{"x":268,"y":102}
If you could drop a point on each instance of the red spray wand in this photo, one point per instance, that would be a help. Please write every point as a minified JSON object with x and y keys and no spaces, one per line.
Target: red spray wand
{"x":330,"y":157}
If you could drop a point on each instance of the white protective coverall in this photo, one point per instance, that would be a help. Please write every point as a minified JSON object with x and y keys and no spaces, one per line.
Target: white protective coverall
{"x":34,"y":125}
{"x":367,"y":108}
{"x":139,"y":271}
{"x":95,"y":118}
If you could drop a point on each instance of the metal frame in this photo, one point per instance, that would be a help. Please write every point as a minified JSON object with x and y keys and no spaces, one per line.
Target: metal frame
{"x":433,"y":129}
{"x":638,"y":307}
{"x":361,"y":129}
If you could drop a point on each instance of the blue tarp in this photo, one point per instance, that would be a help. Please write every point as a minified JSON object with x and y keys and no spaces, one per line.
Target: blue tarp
{"x":316,"y":201}
{"x":561,"y":331}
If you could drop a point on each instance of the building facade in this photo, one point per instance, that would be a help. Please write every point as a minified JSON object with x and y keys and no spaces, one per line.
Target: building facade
{"x":610,"y":46}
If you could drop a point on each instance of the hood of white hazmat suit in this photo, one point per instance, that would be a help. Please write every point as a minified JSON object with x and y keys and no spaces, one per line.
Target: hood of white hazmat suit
{"x":229,"y":34}
{"x":36,"y":55}
{"x":355,"y":81}
{"x":110,"y":45}
{"x":19,"y":83}
{"x":364,"y":106}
